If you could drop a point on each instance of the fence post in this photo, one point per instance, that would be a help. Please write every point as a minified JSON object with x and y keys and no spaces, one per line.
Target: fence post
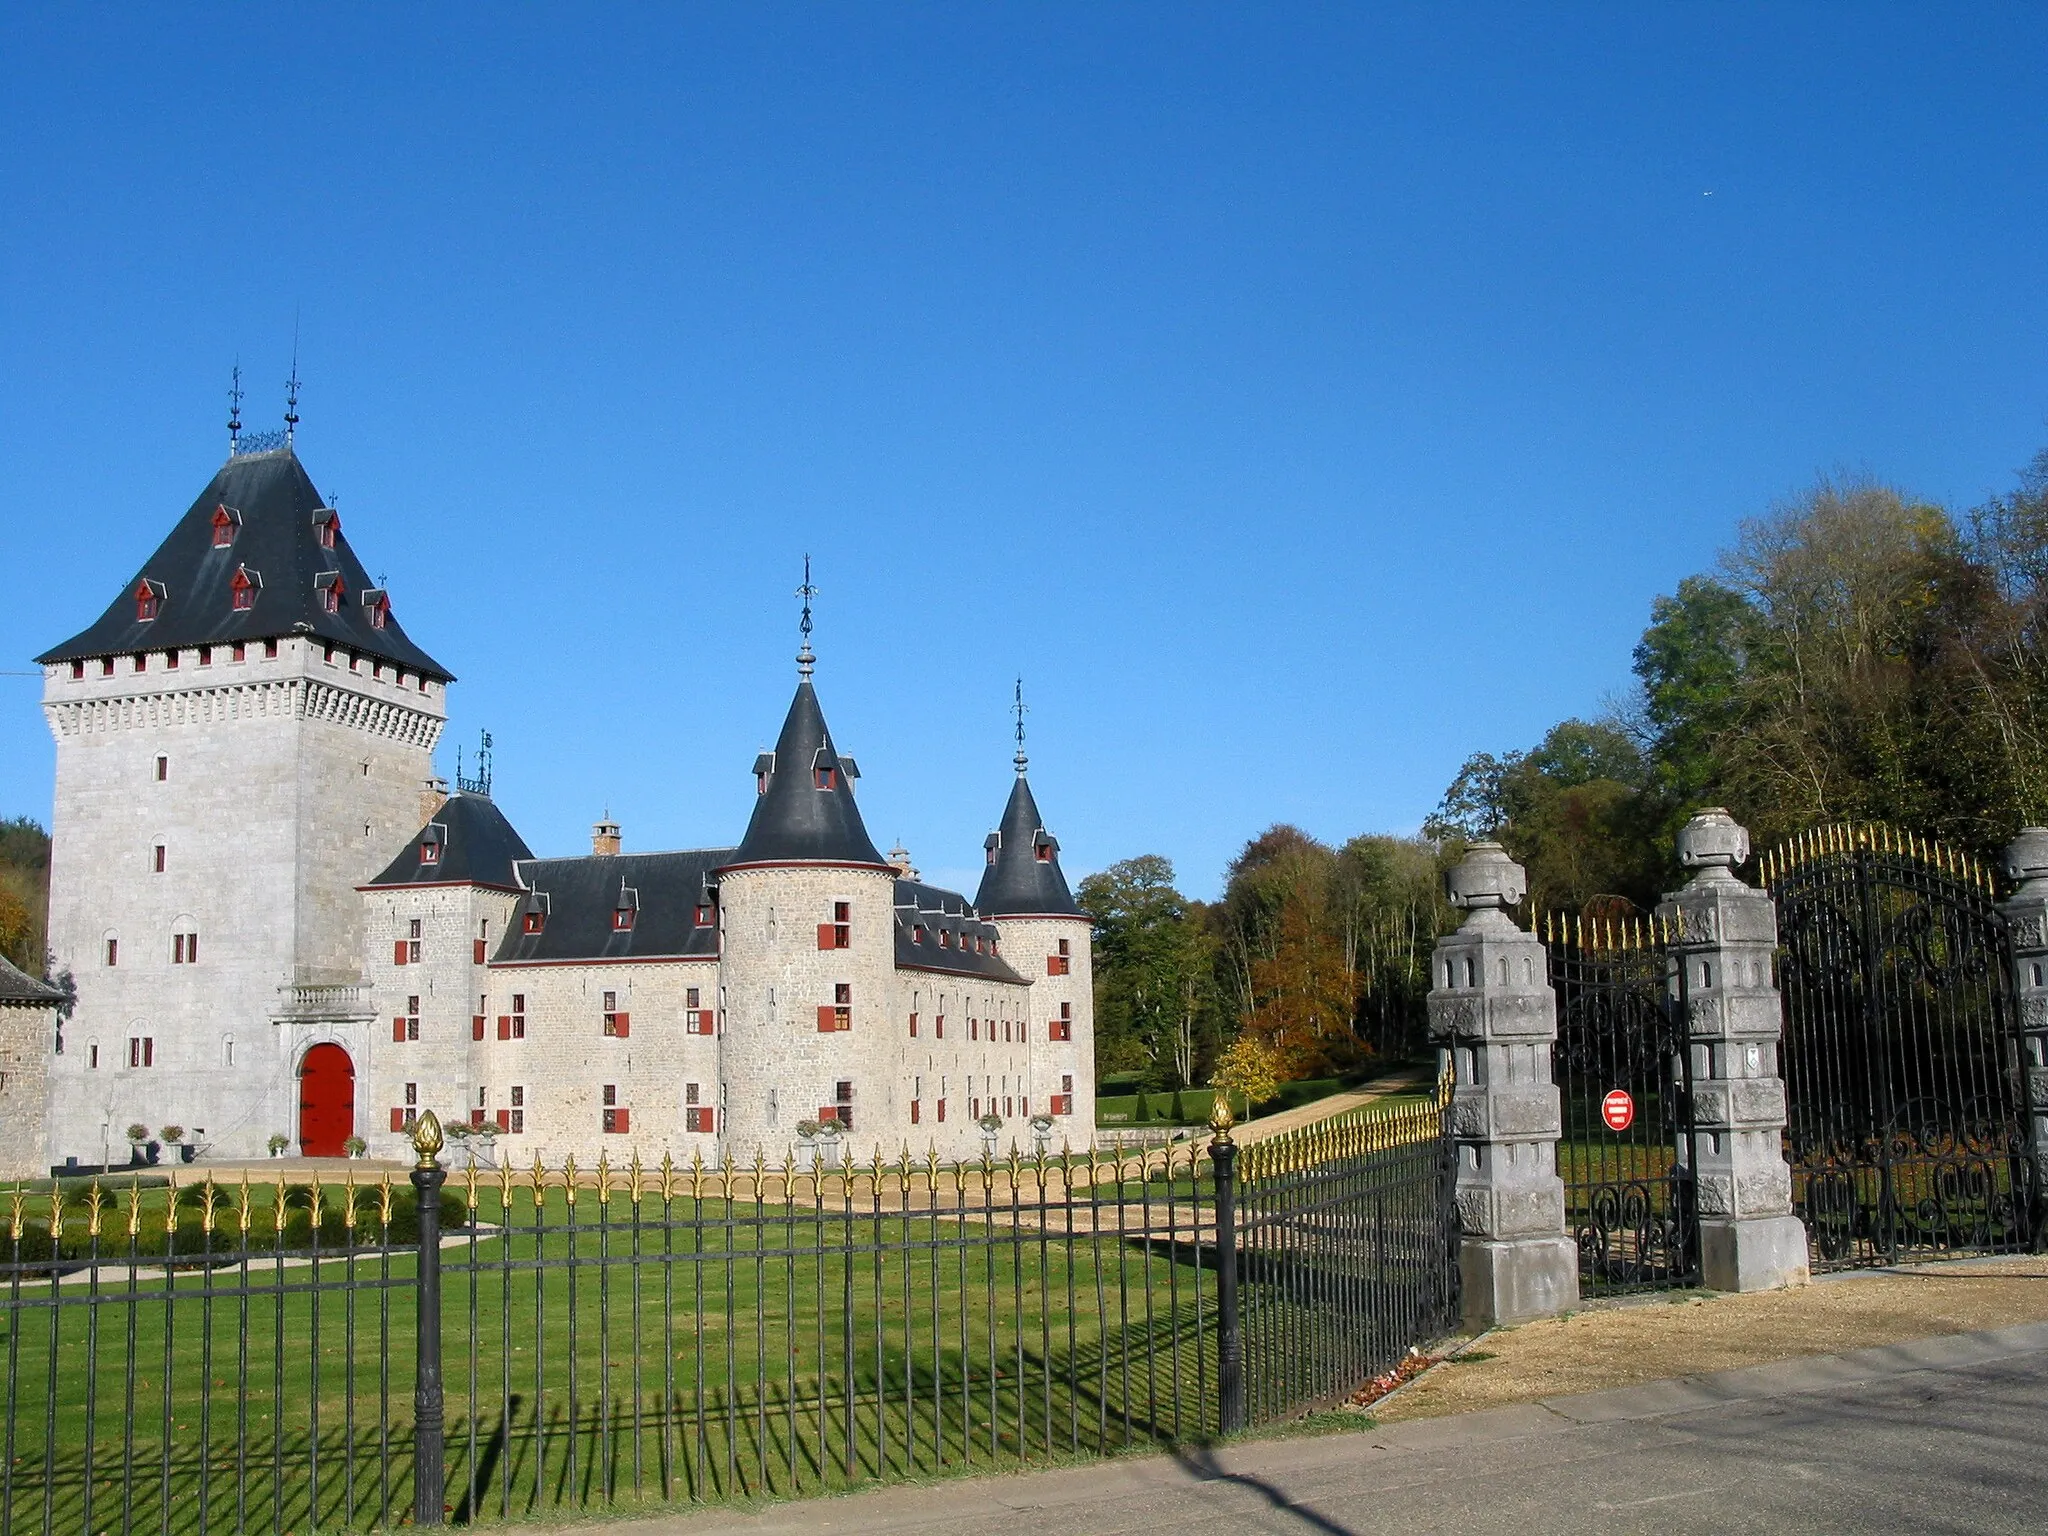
{"x":429,"y":1469}
{"x":1492,"y":1005}
{"x":1229,"y":1347}
{"x":2026,"y":913}
{"x":1725,"y":936}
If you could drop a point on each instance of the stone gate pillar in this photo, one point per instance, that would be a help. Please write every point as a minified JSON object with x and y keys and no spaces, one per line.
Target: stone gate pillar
{"x":2026,"y":910}
{"x":1491,"y":1006}
{"x":1725,"y":945}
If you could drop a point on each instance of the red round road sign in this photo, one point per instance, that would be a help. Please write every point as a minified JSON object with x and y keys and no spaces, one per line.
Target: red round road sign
{"x":1618,"y":1110}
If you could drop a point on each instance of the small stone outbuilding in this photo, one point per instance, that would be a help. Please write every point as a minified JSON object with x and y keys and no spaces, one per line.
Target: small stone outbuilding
{"x":28,"y":1034}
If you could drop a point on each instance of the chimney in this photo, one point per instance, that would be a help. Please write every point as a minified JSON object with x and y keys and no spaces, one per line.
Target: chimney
{"x":899,"y":856}
{"x":604,"y":837}
{"x":433,"y":795}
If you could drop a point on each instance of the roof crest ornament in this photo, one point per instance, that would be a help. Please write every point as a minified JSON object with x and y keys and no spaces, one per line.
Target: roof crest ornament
{"x":806,"y":663}
{"x":235,"y":411}
{"x":1019,"y":705}
{"x":481,"y":783}
{"x":291,"y":387}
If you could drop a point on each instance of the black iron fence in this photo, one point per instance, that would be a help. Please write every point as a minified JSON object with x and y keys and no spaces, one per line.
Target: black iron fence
{"x":205,"y":1356}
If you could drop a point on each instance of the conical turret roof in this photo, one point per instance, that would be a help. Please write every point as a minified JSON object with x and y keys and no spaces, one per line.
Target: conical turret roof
{"x":805,"y":813}
{"x":1023,"y":877}
{"x":270,"y":523}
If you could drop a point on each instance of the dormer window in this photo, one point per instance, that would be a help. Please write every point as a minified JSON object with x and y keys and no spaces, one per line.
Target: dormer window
{"x":917,"y":933}
{"x":992,"y":845}
{"x":622,"y":919}
{"x":327,"y":525}
{"x":376,"y":606}
{"x":1044,"y":848}
{"x":764,"y":769}
{"x":945,"y":938}
{"x":704,"y":914}
{"x":243,"y":587}
{"x":226,"y":522}
{"x":430,"y":850}
{"x":331,"y":589}
{"x":149,"y":599}
{"x":825,"y":778}
{"x":533,"y":922}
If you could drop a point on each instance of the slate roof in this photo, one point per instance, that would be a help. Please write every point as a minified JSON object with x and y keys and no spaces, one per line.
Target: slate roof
{"x":21,"y":990}
{"x":1018,"y":882}
{"x":794,"y":821}
{"x":577,"y":898}
{"x":923,"y":912}
{"x":477,"y":846}
{"x":278,"y":540}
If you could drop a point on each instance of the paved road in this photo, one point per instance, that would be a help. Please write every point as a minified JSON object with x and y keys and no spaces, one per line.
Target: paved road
{"x":1942,"y":1435}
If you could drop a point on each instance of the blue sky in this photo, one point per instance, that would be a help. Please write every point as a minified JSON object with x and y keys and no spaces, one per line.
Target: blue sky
{"x":1299,"y":399}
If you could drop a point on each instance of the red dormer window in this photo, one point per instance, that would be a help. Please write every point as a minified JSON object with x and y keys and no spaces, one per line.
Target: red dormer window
{"x":1045,"y":853}
{"x":332,"y":591}
{"x":622,"y":919}
{"x":225,"y":522}
{"x":379,"y":608}
{"x":430,"y":853}
{"x":532,"y":922}
{"x":825,"y":778}
{"x":149,"y":599}
{"x":328,"y":523}
{"x":704,"y":914}
{"x":945,"y":938}
{"x":917,"y":933}
{"x":242,"y":588}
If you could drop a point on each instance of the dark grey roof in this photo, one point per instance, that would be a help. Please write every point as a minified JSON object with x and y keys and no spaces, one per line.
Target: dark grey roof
{"x":923,"y":912}
{"x":1023,"y":875}
{"x":277,"y":539}
{"x":578,"y":897}
{"x":19,"y":989}
{"x":477,"y":845}
{"x":794,"y":821}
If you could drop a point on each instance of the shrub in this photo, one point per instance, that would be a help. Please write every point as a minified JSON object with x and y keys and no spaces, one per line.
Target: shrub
{"x":1180,"y":1110}
{"x":278,"y":1142}
{"x":355,"y":1146}
{"x":138,"y":1134}
{"x":173,"y":1134}
{"x":1144,"y":1107}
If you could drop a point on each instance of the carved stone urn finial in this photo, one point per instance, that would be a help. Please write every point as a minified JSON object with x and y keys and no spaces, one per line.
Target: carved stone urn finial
{"x":1713,"y":843}
{"x":1486,"y":879}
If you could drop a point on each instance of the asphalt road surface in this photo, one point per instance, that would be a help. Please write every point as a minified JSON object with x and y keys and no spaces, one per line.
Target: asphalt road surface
{"x":1942,"y":1435}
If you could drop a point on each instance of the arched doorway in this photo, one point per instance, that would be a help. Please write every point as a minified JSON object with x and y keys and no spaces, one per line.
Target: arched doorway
{"x":327,"y":1101}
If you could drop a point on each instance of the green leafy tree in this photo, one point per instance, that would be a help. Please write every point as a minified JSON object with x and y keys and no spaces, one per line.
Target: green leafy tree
{"x":1153,"y":999}
{"x":1248,"y":1069}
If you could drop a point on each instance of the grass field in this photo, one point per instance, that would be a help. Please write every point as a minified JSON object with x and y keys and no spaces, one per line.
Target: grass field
{"x":739,"y":1348}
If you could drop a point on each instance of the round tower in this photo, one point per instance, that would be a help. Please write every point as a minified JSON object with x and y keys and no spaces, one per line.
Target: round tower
{"x":806,"y":919}
{"x":1046,"y":939}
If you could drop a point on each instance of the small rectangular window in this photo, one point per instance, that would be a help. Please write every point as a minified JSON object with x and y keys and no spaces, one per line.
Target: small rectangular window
{"x":77,"y":670}
{"x":107,"y":667}
{"x":170,"y":661}
{"x":270,"y":650}
{"x":113,"y":951}
{"x":240,"y":651}
{"x":206,"y":655}
{"x":157,"y":858}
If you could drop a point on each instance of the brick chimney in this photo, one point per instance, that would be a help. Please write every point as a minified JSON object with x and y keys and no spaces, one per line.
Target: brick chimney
{"x":604,"y":837}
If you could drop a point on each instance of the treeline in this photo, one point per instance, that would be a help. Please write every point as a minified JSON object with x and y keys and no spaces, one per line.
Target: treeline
{"x":24,"y":893}
{"x":1320,"y":953}
{"x":1856,"y":654}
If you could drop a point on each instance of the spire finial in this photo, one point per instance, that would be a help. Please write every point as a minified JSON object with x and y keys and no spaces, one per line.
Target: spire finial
{"x":235,"y":410}
{"x":805,"y":661}
{"x":1019,"y":706}
{"x":480,"y":783}
{"x":291,"y":387}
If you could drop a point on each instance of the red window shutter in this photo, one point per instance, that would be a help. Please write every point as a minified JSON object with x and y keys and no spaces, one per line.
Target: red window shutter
{"x":398,"y":1029}
{"x":398,"y":952}
{"x":504,"y":1119}
{"x":625,"y":1024}
{"x":1052,"y":965}
{"x":825,"y":1022}
{"x":476,"y":1026}
{"x":504,"y":1027}
{"x":398,"y":1119}
{"x":913,"y":1111}
{"x":479,"y":951}
{"x":825,"y":938}
{"x":476,"y":1117}
{"x":625,"y":1120}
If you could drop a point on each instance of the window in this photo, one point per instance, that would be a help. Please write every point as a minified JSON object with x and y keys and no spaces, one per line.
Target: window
{"x":92,"y":1055}
{"x":696,"y":1117}
{"x":703,"y":914}
{"x":206,"y":655}
{"x":1062,"y":1028}
{"x":913,"y":1024}
{"x":156,"y":858}
{"x":331,"y":589}
{"x":945,"y":938}
{"x":617,"y":1118}
{"x":242,"y":588}
{"x":170,"y":661}
{"x":622,"y":919}
{"x":402,"y":1119}
{"x":617,"y":1025}
{"x":836,"y":1017}
{"x":407,"y":1028}
{"x":149,"y":602}
{"x":1063,"y":1101}
{"x":532,"y":922}
{"x":1044,"y":852}
{"x":917,"y":933}
{"x":77,"y":670}
{"x":513,"y":1119}
{"x":113,"y":951}
{"x":512,"y":1026}
{"x":142,"y":1050}
{"x":697,"y":1019}
{"x":379,"y":607}
{"x":141,"y":662}
{"x":837,"y":934}
{"x":270,"y":650}
{"x":973,"y":1027}
{"x":481,"y":945}
{"x":406,"y":951}
{"x":163,"y":768}
{"x":224,"y":522}
{"x":227,"y":1050}
{"x":430,"y":852}
{"x":107,"y":666}
{"x":939,"y":1025}
{"x":825,"y":778}
{"x":841,"y":1107}
{"x":328,"y":522}
{"x":476,"y":1020}
{"x":184,"y":949}
{"x":1061,"y":964}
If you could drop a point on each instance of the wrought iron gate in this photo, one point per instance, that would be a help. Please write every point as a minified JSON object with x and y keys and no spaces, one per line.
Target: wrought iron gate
{"x":1628,"y":1198}
{"x":1906,"y":1105}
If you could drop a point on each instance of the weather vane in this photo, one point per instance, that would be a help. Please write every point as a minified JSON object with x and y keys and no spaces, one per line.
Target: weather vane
{"x":291,"y":388}
{"x":235,"y":411}
{"x":1020,"y":708}
{"x":805,"y":661}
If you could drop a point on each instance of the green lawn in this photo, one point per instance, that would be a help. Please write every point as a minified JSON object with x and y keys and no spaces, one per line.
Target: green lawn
{"x":743,"y":1348}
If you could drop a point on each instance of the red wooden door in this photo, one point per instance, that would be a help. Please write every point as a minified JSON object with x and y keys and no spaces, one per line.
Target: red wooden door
{"x":327,"y":1101}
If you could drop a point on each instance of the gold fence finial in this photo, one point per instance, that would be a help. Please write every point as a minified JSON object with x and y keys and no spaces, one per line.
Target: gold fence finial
{"x":1221,"y":1119}
{"x":427,"y":1139}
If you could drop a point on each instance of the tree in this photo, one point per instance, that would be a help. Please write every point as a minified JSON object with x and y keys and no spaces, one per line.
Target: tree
{"x":1249,"y":1069}
{"x":1152,"y":968}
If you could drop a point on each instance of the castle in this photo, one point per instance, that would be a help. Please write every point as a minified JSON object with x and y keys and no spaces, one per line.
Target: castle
{"x":279,"y":924}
